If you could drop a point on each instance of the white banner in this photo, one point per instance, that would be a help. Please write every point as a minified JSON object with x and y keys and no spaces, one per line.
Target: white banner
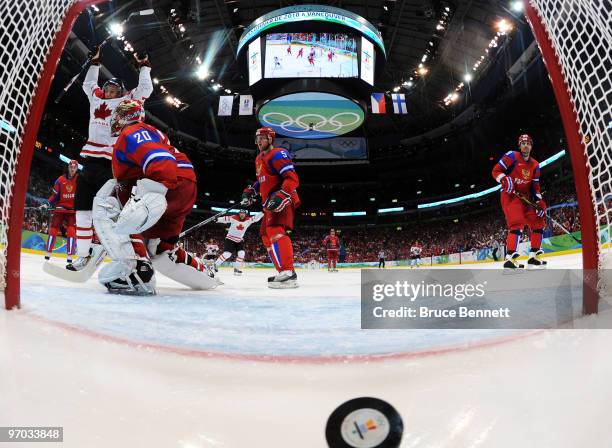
{"x":246,"y":105}
{"x":225,"y":105}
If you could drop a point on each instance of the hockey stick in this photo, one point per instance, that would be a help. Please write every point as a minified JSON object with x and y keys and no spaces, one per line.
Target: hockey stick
{"x":203,"y":223}
{"x":85,"y":66}
{"x":554,"y":221}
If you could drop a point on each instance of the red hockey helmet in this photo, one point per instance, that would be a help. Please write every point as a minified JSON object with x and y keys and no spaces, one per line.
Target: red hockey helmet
{"x":525,"y":138}
{"x":265,"y":131}
{"x":127,"y":112}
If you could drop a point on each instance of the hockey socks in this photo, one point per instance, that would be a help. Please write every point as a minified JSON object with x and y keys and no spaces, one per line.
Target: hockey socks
{"x":281,"y":252}
{"x":512,"y":240}
{"x":84,"y":232}
{"x":536,"y":239}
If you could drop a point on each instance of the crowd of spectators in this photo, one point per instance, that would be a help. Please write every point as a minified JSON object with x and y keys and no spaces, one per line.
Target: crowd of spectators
{"x":461,"y":230}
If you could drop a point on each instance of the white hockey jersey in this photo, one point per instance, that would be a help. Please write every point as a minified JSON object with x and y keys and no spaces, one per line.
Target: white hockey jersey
{"x":416,"y":250}
{"x":99,"y":141}
{"x":212,"y":249}
{"x":238,"y":227}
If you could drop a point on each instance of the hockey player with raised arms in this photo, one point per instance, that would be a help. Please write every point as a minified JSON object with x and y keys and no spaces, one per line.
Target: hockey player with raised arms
{"x":276,"y":183}
{"x":98,"y":150}
{"x":163,"y":193}
{"x":234,"y":240}
{"x":519,"y":176}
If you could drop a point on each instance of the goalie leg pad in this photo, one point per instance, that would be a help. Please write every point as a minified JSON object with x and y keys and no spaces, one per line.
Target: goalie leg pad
{"x":144,"y":208}
{"x":185,"y":274}
{"x":105,"y":209}
{"x":129,"y":277}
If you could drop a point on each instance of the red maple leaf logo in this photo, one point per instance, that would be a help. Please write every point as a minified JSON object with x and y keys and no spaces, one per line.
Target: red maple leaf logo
{"x":102,"y":112}
{"x":239,"y":227}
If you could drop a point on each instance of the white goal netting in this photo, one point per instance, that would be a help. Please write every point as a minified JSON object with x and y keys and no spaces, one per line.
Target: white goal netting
{"x":27,"y":32}
{"x":581,"y":35}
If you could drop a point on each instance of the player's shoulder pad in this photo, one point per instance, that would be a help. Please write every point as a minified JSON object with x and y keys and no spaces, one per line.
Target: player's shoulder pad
{"x":511,"y":154}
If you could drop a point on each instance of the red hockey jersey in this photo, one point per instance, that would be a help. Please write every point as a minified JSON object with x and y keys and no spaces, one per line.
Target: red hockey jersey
{"x":275,"y":171}
{"x":144,"y":151}
{"x":525,"y":175}
{"x":63,"y":193}
{"x":331,"y":242}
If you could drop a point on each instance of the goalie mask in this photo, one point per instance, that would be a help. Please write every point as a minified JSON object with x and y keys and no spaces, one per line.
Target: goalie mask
{"x":127,"y":112}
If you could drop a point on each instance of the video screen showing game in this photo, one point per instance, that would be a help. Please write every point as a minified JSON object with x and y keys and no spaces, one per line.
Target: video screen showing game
{"x":311,"y":55}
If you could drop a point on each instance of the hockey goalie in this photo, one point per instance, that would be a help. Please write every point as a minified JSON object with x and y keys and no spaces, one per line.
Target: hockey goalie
{"x":157,"y":185}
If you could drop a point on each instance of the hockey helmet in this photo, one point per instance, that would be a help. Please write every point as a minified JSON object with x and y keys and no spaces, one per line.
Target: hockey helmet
{"x":114,"y":82}
{"x":265,"y":131}
{"x":127,"y":112}
{"x":525,"y":138}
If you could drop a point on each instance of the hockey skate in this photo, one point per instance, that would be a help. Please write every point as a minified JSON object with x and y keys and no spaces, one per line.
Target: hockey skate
{"x":535,"y":261}
{"x":140,"y":282}
{"x":511,"y":265}
{"x":237,"y":271}
{"x":283,"y":280}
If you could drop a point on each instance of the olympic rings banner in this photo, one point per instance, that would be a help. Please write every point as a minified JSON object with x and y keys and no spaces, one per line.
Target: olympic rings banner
{"x":339,"y":148}
{"x":311,"y":115}
{"x":304,"y":13}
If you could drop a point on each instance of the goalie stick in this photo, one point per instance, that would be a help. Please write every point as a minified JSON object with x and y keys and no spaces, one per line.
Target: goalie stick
{"x":554,"y":221}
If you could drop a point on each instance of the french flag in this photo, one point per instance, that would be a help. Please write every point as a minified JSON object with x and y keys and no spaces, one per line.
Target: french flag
{"x":378,"y":103}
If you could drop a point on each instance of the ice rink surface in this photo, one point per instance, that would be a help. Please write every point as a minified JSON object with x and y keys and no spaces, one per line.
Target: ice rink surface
{"x":244,"y":366}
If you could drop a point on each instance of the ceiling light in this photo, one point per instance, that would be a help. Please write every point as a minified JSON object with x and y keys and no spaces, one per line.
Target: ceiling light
{"x":504,"y":26}
{"x":423,"y":71}
{"x":116,"y":29}
{"x":517,"y":6}
{"x":202,"y":72}
{"x":396,"y":89}
{"x":155,"y":81}
{"x":467,"y":77}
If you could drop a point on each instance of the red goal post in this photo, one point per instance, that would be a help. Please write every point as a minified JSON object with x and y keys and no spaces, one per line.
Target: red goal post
{"x":31,"y":45}
{"x":575,"y":38}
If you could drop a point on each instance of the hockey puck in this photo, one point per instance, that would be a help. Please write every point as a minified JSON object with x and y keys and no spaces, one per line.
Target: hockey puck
{"x":364,"y":423}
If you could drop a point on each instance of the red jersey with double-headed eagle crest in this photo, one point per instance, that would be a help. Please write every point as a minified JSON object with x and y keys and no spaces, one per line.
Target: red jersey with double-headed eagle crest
{"x":275,"y":171}
{"x":525,"y":174}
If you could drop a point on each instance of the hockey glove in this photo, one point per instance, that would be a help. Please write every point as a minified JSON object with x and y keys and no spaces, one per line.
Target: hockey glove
{"x":541,"y":208}
{"x":507,"y":184}
{"x":144,"y":208}
{"x":248,"y":196}
{"x":278,"y":201}
{"x":94,"y":54}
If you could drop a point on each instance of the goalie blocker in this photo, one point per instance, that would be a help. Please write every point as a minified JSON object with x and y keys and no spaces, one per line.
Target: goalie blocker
{"x":163,"y":190}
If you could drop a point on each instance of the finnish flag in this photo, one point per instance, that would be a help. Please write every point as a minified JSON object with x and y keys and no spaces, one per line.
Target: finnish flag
{"x":399,"y":103}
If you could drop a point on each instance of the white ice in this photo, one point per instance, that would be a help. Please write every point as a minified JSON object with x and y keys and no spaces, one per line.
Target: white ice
{"x":241,"y":367}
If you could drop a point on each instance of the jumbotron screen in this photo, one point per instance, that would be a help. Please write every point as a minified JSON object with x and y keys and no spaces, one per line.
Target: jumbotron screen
{"x":311,"y":55}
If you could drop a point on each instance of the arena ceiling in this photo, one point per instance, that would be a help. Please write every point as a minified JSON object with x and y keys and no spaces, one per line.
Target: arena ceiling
{"x":182,"y":33}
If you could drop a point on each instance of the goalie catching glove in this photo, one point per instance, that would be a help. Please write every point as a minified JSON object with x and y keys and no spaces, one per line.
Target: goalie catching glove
{"x":145,"y":207}
{"x":278,"y":201}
